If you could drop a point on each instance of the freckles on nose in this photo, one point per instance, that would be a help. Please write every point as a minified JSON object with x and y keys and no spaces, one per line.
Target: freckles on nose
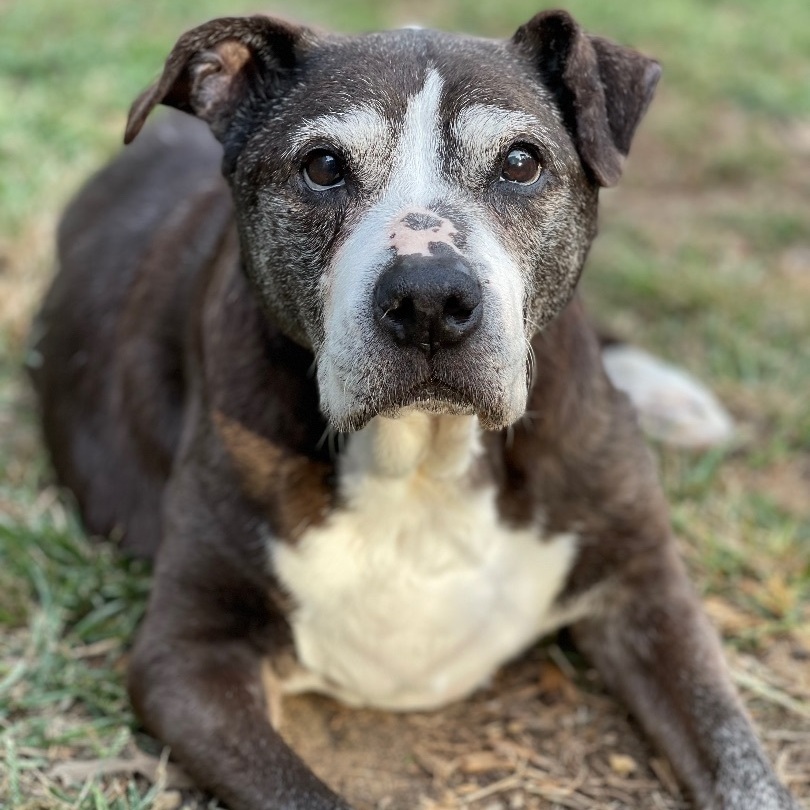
{"x":414,"y":233}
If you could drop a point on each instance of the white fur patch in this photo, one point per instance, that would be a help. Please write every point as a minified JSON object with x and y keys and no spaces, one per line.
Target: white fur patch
{"x":483,"y":131}
{"x":358,"y":128}
{"x":414,"y":593}
{"x":416,"y":177}
{"x":480,"y":124}
{"x":360,"y":131}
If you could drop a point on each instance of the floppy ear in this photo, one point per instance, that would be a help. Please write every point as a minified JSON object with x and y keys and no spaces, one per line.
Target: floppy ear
{"x":603,"y":89}
{"x":213,"y":67}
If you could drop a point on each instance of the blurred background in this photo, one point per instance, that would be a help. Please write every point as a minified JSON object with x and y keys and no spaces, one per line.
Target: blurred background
{"x":703,"y":257}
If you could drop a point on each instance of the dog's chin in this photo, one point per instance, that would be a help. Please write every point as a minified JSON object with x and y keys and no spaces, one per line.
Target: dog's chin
{"x":436,"y":400}
{"x":436,"y":407}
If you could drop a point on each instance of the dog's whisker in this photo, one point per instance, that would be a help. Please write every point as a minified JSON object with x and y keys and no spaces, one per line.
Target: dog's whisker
{"x":510,"y":436}
{"x":531,"y":365}
{"x":325,"y":436}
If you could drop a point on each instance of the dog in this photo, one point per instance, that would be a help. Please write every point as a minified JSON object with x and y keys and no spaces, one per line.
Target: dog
{"x":387,"y":264}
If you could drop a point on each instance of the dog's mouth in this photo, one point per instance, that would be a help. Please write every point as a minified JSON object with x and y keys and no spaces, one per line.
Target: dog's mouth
{"x":485,"y":375}
{"x":434,"y":397}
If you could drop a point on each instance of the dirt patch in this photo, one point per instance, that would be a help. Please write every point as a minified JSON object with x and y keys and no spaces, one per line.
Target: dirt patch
{"x":535,"y":739}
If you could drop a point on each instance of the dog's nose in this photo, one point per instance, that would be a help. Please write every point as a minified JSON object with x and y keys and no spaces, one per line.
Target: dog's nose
{"x":429,"y":302}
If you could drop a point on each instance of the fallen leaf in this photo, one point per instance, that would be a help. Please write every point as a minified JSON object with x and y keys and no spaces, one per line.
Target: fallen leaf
{"x":663,"y":770}
{"x":554,"y":682}
{"x":435,"y":765}
{"x":482,"y":762}
{"x":168,"y":800}
{"x":622,"y":764}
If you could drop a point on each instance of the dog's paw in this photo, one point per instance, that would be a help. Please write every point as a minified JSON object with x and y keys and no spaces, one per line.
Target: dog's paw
{"x":756,"y":802}
{"x":673,"y":406}
{"x":763,"y":793}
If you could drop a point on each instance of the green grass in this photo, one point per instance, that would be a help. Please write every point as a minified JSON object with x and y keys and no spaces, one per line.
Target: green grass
{"x":704,"y":257}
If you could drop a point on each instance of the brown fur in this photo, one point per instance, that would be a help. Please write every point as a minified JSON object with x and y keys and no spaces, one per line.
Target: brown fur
{"x":294,"y":490}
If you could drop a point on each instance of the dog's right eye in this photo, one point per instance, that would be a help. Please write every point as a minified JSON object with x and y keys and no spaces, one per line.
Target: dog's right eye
{"x":323,"y":170}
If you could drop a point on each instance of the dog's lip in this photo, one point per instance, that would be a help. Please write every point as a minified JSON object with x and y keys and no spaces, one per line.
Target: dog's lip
{"x":430,"y":397}
{"x":433,"y":396}
{"x":434,"y":389}
{"x":436,"y":392}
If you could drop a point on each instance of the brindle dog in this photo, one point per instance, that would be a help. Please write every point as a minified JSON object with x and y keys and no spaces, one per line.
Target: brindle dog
{"x":393,"y":255}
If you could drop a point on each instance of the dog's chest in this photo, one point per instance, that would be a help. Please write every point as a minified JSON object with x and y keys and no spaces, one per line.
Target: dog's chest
{"x":414,"y":592}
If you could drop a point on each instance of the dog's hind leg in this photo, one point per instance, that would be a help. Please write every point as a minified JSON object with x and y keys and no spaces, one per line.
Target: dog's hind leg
{"x":108,"y":347}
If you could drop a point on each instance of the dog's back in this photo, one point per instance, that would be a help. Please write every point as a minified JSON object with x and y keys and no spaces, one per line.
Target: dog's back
{"x":131,"y":248}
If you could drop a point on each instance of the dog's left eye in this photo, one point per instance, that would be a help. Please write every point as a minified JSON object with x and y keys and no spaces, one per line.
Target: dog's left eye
{"x":521,"y":165}
{"x":323,"y":170}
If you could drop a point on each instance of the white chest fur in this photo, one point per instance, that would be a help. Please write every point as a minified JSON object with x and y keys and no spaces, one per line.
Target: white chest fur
{"x":414,"y":593}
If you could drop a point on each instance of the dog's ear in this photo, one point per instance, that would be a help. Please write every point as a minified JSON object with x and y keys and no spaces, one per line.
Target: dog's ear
{"x":213,"y":67}
{"x":602,"y":88}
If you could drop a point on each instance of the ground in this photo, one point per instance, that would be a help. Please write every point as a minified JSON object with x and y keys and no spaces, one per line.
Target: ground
{"x":704,"y":258}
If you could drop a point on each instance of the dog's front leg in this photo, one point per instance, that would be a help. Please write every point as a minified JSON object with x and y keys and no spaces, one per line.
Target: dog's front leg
{"x":197,"y":673}
{"x":206,"y":702}
{"x":655,"y":648}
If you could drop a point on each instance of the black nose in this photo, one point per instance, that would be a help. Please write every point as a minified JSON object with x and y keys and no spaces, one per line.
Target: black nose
{"x":430,"y":302}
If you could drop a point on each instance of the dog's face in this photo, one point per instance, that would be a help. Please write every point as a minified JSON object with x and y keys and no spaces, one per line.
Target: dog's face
{"x":415,"y":222}
{"x":413,"y":206}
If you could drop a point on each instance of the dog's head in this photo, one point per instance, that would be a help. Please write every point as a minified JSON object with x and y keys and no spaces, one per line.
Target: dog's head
{"x":413,"y":206}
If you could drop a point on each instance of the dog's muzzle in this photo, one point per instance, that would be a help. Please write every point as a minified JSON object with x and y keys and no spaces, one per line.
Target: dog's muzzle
{"x":428,"y":302}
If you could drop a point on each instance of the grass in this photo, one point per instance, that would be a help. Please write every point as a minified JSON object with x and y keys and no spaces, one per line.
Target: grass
{"x":704,"y":257}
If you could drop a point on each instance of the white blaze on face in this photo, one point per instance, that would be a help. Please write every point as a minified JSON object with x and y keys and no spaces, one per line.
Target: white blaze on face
{"x":416,"y":175}
{"x":412,"y":179}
